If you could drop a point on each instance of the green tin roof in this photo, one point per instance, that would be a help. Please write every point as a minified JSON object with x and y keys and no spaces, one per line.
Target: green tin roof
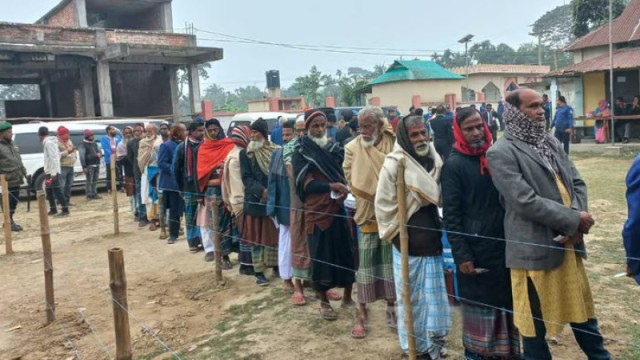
{"x":403,"y":70}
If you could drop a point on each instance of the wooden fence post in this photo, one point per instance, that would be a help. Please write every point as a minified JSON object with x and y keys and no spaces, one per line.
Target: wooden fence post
{"x":45,"y":234}
{"x":216,"y":240}
{"x":404,"y":250}
{"x":8,"y":245}
{"x":118,"y":285}
{"x":114,"y":195}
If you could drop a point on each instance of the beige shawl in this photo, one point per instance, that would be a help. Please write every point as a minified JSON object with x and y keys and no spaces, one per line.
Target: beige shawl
{"x":263,"y":155}
{"x":232,"y":185}
{"x":148,"y":151}
{"x":421,"y":188}
{"x":361,"y":168}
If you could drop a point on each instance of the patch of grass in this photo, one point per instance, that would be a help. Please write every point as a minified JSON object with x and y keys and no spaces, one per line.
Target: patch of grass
{"x":151,"y":356}
{"x":632,"y":352}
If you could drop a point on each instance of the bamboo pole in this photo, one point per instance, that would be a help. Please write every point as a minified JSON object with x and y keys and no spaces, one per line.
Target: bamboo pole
{"x":45,"y":234}
{"x":8,"y":245}
{"x":216,"y":240}
{"x":114,"y":195}
{"x":404,"y":250}
{"x":118,"y":285}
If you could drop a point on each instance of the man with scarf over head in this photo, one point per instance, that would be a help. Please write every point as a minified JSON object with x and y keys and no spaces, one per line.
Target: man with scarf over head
{"x":545,"y":201}
{"x":233,"y":195}
{"x":422,"y":165}
{"x":322,"y":187}
{"x":184,"y":171}
{"x":363,"y":158}
{"x":171,"y":199}
{"x":211,"y":155}
{"x":148,"y":163}
{"x":257,"y":227}
{"x":68,"y":157}
{"x":474,"y":219}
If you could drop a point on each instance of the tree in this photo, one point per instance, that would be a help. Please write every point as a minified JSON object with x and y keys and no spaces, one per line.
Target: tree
{"x":309,"y":86}
{"x":183,"y":81}
{"x":590,"y":14}
{"x":554,"y":27}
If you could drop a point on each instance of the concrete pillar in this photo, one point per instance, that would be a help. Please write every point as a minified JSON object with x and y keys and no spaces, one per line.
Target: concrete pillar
{"x":578,"y":100}
{"x":194,"y":89}
{"x":480,"y":96}
{"x":45,"y":93}
{"x":553,"y":95}
{"x":416,"y":101}
{"x":330,"y":101}
{"x":274,"y":104}
{"x":86,"y":82}
{"x":173,"y":87}
{"x":451,"y":100}
{"x":375,"y":101}
{"x":80,"y":13}
{"x":166,"y":17}
{"x":104,"y":89}
{"x":207,"y":109}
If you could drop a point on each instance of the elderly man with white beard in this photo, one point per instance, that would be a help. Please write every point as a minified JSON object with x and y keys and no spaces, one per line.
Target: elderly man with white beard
{"x":322,"y":187}
{"x":363,"y":158}
{"x":257,"y":227}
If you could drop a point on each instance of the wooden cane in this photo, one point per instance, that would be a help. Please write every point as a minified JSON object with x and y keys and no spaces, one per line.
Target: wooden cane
{"x":114,"y":195}
{"x":45,"y":234}
{"x":404,"y":250}
{"x":8,"y":245}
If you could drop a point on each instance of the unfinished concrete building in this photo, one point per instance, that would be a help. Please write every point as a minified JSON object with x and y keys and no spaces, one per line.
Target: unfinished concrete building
{"x":101,"y":58}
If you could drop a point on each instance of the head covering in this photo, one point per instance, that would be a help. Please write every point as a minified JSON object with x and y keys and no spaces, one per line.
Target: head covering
{"x":5,"y":125}
{"x":464,"y":147}
{"x":402,"y":137}
{"x":347,"y":115}
{"x":63,"y":131}
{"x":309,"y":115}
{"x":221,"y":134}
{"x":262,"y":127}
{"x":240,"y":135}
{"x":603,"y":105}
{"x":353,"y":124}
{"x":88,"y":133}
{"x":533,"y":134}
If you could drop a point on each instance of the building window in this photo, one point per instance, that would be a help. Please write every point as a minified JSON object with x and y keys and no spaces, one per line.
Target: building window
{"x":491,"y":91}
{"x":512,"y":87}
{"x":468,"y":94}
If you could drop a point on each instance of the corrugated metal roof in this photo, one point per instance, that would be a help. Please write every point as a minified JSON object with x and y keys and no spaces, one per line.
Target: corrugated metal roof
{"x":625,"y":28}
{"x":402,"y":70}
{"x":502,"y":69}
{"x":622,"y":59}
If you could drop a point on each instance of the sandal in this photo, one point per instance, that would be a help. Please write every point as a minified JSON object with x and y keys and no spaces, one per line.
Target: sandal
{"x":298,"y":299}
{"x":333,"y":295}
{"x":153,"y":226}
{"x":328,"y":314}
{"x":226,"y":264}
{"x":358,"y":332}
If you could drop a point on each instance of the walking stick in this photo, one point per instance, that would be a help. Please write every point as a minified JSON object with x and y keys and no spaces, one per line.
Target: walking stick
{"x":404,"y":250}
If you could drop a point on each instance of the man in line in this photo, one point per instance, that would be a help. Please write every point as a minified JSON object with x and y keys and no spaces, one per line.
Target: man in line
{"x":563,"y":123}
{"x":68,"y":157}
{"x":492,"y":118}
{"x":278,"y":207}
{"x":184,"y":172}
{"x":443,"y":133}
{"x":332,"y":129}
{"x":12,"y":168}
{"x":472,"y":206}
{"x":211,"y":156}
{"x":109,"y":146}
{"x":121,"y":156}
{"x":546,"y":206}
{"x":257,"y":227}
{"x":393,"y":119}
{"x":631,"y":230}
{"x":320,"y":184}
{"x":547,"y":111}
{"x":622,"y":126}
{"x":148,"y":163}
{"x":276,"y":133}
{"x":133,"y":148}
{"x":52,"y":172}
{"x":363,"y":160}
{"x":89,"y":154}
{"x":345,"y":133}
{"x":233,"y":194}
{"x":170,"y":193}
{"x":422,"y":165}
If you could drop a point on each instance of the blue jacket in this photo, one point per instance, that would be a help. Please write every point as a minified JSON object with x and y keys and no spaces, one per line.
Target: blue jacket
{"x":563,"y":119}
{"x":547,"y":110}
{"x":276,"y":135}
{"x":278,"y":192}
{"x":332,"y":132}
{"x":106,"y":147}
{"x":631,"y":230}
{"x":165,"y":160}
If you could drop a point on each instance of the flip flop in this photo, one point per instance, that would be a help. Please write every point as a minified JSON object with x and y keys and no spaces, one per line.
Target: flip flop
{"x":328,"y":314}
{"x":298,"y":299}
{"x":333,"y":295}
{"x":358,"y":332}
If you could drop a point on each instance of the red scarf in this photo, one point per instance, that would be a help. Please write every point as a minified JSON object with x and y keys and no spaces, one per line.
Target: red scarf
{"x":463,"y":146}
{"x":211,"y":153}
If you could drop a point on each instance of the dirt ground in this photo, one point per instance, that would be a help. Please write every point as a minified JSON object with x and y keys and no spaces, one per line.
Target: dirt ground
{"x":176,"y":311}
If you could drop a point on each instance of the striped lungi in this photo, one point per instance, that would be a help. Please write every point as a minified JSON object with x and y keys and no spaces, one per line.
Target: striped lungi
{"x":190,"y":217}
{"x":375,"y":270}
{"x":260,"y":232}
{"x":489,"y":332}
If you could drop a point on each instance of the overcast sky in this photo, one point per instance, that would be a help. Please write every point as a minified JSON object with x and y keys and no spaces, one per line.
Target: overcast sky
{"x":397,"y":24}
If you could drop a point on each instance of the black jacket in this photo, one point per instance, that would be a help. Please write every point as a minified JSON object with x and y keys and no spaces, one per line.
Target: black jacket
{"x":132,"y":156}
{"x":497,"y":120}
{"x":472,"y":206}
{"x":255,"y":182}
{"x":443,"y":135}
{"x":88,"y":154}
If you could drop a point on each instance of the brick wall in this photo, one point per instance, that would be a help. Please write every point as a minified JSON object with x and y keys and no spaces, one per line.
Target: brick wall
{"x":26,"y":33}
{"x":64,"y":17}
{"x":149,"y":38}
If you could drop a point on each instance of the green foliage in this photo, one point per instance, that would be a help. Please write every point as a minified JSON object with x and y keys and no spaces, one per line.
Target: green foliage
{"x":554,"y":27}
{"x":233,"y":101}
{"x":590,"y":14}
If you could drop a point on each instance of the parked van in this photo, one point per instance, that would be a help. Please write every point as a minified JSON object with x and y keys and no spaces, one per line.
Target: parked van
{"x":25,"y":137}
{"x":250,"y":117}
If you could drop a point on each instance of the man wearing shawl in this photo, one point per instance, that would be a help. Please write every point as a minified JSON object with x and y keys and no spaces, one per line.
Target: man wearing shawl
{"x":257,"y":228}
{"x":68,"y":157}
{"x":233,"y":194}
{"x":110,"y":144}
{"x":422,"y":165}
{"x":363,"y":158}
{"x":279,"y":204}
{"x":184,"y":172}
{"x":211,"y":155}
{"x":545,"y":201}
{"x":133,"y":148}
{"x":171,"y":198}
{"x":148,"y":163}
{"x":474,"y":219}
{"x":121,"y":157}
{"x":321,"y":186}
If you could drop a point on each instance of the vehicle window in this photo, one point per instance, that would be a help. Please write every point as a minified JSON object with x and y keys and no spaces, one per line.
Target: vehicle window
{"x":28,"y":143}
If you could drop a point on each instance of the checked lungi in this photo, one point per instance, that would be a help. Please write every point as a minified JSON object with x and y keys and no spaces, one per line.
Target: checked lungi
{"x":190,"y":218}
{"x":375,"y":270}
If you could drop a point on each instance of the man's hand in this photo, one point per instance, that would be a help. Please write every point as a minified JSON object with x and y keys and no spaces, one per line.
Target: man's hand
{"x":467,"y":268}
{"x":341,"y":189}
{"x":72,"y":150}
{"x":569,"y":131}
{"x":586,"y":222}
{"x":577,"y":238}
{"x":263,"y":198}
{"x":85,"y":171}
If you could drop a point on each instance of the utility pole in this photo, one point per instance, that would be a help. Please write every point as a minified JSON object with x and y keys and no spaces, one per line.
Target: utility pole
{"x":613,"y":121}
{"x":465,"y":40}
